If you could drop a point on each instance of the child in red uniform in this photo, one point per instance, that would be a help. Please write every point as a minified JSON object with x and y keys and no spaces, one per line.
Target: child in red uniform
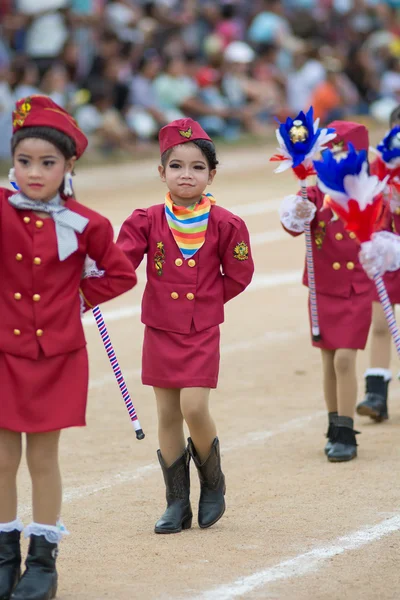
{"x":344,"y":295}
{"x":198,"y":258}
{"x":378,"y":376}
{"x":45,"y":237}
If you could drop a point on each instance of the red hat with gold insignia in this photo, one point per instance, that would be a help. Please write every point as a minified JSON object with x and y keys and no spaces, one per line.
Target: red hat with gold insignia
{"x":41,"y":111}
{"x":180,"y":132}
{"x":347,"y":132}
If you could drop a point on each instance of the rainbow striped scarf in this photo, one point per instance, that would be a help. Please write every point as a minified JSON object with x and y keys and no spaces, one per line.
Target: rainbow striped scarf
{"x":189,"y":224}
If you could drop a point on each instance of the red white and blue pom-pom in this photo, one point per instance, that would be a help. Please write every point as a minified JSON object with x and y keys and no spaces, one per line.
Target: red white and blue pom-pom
{"x":300,"y":139}
{"x":353,"y":194}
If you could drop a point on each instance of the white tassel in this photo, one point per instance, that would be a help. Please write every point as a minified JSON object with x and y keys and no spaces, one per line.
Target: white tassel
{"x":11,"y":178}
{"x":68,"y":191}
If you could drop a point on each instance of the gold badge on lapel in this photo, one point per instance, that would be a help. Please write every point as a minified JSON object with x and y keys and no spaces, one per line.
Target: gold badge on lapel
{"x":241,"y":251}
{"x":159,"y":258}
{"x":319,"y":234}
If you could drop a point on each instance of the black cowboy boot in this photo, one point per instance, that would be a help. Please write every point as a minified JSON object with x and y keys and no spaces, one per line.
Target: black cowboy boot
{"x":39,"y":582}
{"x":330,"y":434}
{"x":212,"y":483}
{"x":10,"y":562}
{"x":344,"y":447}
{"x":374,"y":404}
{"x":179,"y":514}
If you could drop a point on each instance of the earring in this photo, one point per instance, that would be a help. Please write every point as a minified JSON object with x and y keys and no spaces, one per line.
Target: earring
{"x":68,"y":191}
{"x":11,"y":179}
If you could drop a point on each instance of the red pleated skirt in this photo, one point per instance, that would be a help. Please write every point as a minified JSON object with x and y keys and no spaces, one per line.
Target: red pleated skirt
{"x":344,"y":322}
{"x":43,"y":395}
{"x":175,"y":360}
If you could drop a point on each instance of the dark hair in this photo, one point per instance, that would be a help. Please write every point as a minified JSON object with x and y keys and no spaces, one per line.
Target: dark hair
{"x":60,"y":140}
{"x":206,"y":147}
{"x":394,"y":118}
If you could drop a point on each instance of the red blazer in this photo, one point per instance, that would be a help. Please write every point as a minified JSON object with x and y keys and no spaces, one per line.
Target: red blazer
{"x":39,"y":295}
{"x":338,"y":271}
{"x":181,"y":292}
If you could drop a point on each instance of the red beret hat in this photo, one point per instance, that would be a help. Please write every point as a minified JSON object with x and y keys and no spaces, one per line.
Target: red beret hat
{"x":180,"y":132}
{"x":347,"y":132}
{"x":41,"y":111}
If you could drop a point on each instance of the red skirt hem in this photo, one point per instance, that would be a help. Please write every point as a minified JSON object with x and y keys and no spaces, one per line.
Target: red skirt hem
{"x":179,"y":383}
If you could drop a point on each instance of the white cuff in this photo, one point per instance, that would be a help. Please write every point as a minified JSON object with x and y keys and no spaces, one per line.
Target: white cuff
{"x":287,"y":213}
{"x":11,"y":526}
{"x":52,"y":533}
{"x":378,"y":372}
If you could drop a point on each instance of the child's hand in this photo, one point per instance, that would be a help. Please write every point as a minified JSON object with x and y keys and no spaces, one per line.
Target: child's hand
{"x":304,"y":210}
{"x":381,"y":254}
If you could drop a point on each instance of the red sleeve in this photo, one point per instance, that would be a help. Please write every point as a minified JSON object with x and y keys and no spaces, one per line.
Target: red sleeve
{"x":119,"y":275}
{"x":134,"y":235}
{"x":236,"y":259}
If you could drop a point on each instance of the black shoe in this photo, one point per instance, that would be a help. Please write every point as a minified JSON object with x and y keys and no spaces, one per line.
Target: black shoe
{"x":374,"y":404}
{"x":212,"y":484}
{"x":179,"y":514}
{"x":10,"y":562}
{"x":39,"y":582}
{"x":344,"y":447}
{"x":330,"y":434}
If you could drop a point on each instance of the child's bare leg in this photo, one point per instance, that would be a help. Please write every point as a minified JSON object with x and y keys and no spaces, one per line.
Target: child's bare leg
{"x":344,"y":447}
{"x":330,"y":383}
{"x":10,"y":458}
{"x":42,"y":459}
{"x":196,"y":412}
{"x":174,"y":461}
{"x":204,"y":449}
{"x":345,"y":368}
{"x":170,"y":424}
{"x":381,"y":339}
{"x":378,"y":376}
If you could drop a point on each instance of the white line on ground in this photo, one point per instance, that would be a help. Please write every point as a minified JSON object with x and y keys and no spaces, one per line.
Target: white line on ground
{"x":259,"y":282}
{"x":251,"y":438}
{"x":302,"y":564}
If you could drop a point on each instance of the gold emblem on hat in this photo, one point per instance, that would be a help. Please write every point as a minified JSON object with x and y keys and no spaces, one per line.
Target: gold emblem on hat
{"x":186,"y":134}
{"x":338,"y":151}
{"x":241,"y":251}
{"x":22,"y":112}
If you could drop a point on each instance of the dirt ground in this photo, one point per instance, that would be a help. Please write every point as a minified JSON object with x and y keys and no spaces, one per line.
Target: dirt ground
{"x":296,"y":526}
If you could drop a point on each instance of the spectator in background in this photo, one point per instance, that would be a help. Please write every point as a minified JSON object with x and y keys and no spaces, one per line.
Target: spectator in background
{"x":145,"y":115}
{"x":47,"y":29}
{"x":306,"y":74}
{"x":390,"y":83}
{"x":102,"y":123}
{"x":336,"y":97}
{"x":55,"y":85}
{"x":177,"y":93}
{"x":6,"y":108}
{"x":24,"y":77}
{"x":230,"y":27}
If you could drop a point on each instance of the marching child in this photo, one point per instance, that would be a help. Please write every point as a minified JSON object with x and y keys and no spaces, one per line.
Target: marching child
{"x":378,"y":376}
{"x":198,"y":258}
{"x":45,"y":236}
{"x":344,"y":296}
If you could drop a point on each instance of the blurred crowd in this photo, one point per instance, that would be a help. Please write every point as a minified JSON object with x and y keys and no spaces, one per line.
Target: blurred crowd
{"x":124,"y":68}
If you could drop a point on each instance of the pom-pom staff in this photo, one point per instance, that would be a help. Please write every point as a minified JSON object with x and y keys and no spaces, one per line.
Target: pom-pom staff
{"x":357,"y":199}
{"x":300,"y":139}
